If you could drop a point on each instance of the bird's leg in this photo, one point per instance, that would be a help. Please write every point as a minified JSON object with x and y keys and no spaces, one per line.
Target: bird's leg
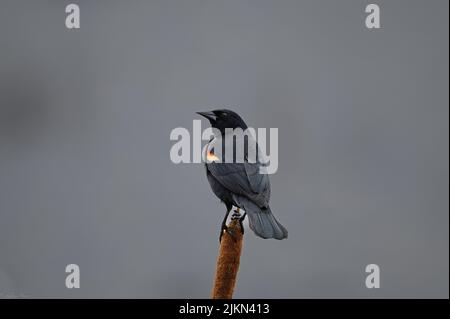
{"x":240,"y":218}
{"x":237,"y":216}
{"x":241,"y":221}
{"x":224,"y":227}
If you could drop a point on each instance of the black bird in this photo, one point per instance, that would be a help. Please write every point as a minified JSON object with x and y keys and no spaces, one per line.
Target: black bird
{"x":240,"y":184}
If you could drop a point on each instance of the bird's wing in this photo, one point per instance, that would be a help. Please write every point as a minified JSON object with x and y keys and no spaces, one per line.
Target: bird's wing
{"x":246,"y":178}
{"x":243,"y":179}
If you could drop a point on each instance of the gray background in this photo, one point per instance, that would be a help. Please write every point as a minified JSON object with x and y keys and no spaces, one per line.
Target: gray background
{"x":85,"y":118}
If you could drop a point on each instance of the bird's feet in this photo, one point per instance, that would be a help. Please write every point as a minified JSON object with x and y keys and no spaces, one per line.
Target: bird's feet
{"x":224,"y":228}
{"x":237,"y":216}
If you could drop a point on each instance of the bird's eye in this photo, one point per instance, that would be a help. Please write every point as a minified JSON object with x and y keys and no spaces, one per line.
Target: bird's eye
{"x":224,"y":114}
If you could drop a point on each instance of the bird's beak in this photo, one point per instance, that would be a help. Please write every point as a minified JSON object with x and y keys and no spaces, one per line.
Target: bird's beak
{"x":209,"y":115}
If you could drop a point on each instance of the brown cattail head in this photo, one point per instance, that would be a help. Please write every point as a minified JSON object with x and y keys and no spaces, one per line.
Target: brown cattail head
{"x":228,"y":261}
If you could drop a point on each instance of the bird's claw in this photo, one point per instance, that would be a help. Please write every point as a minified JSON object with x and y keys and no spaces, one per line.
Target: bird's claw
{"x":236,"y":216}
{"x":241,"y":222}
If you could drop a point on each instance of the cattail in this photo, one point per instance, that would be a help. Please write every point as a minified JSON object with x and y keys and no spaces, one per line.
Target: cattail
{"x":228,"y":260}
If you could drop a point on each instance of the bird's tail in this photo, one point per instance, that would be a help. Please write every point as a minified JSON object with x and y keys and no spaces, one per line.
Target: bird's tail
{"x":262,"y":221}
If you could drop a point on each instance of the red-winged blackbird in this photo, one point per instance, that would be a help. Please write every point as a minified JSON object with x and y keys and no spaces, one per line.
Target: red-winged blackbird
{"x":240,"y":184}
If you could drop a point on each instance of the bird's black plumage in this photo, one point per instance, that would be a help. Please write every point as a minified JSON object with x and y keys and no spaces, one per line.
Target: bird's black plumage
{"x":241,"y":184}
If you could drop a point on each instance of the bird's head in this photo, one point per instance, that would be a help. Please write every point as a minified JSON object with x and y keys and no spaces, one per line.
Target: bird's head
{"x":222,"y":119}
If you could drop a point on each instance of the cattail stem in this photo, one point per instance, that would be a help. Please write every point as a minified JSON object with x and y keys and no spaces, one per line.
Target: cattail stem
{"x":228,"y":261}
